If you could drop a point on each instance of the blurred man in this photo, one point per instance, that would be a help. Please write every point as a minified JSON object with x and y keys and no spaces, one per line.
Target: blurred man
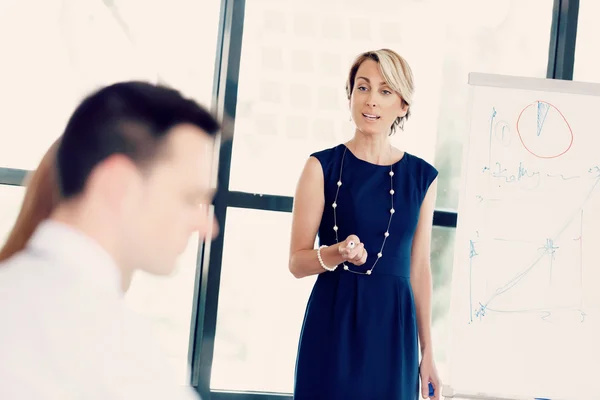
{"x":134,"y":171}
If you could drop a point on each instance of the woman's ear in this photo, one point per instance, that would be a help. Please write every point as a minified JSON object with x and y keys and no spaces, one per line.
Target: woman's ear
{"x":403,"y":109}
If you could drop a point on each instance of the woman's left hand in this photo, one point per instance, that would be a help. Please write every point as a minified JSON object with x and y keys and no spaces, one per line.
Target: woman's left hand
{"x":429,"y":374}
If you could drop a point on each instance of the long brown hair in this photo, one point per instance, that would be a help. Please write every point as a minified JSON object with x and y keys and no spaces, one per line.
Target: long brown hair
{"x":41,"y":197}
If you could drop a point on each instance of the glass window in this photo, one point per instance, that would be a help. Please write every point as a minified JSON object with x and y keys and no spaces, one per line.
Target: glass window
{"x":587,"y":63}
{"x":11,"y":198}
{"x":68,"y":48}
{"x":182,"y":54}
{"x":442,"y":259}
{"x":511,"y":38}
{"x":168,"y":302}
{"x":261,"y":305}
{"x":291,"y":95}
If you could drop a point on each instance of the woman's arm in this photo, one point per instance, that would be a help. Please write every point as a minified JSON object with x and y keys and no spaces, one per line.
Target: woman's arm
{"x":306,"y":218}
{"x":420,"y":271}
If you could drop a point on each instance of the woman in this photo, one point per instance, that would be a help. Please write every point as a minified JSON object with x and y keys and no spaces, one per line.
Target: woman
{"x":372,"y":206}
{"x":40,"y":199}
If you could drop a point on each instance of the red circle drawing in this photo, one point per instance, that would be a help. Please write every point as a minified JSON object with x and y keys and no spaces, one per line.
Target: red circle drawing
{"x":570,"y":141}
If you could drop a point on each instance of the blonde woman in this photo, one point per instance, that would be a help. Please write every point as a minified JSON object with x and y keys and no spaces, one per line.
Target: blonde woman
{"x":372,"y":207}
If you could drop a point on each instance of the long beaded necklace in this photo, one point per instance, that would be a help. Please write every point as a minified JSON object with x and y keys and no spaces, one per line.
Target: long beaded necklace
{"x":387,"y":231}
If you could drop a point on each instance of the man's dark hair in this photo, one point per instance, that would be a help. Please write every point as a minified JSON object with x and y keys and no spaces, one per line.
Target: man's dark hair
{"x":129,"y":118}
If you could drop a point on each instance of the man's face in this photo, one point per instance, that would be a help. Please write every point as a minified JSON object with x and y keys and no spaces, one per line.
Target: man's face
{"x":175,"y":203}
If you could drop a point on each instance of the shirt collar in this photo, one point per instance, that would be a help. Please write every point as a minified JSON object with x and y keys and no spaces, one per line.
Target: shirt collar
{"x":76,"y":252}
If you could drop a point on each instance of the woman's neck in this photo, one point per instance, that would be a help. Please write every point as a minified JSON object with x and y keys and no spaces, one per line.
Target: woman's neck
{"x":373,"y":149}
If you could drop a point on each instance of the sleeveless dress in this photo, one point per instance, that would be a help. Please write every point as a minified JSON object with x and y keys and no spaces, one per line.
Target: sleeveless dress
{"x":359,"y":338}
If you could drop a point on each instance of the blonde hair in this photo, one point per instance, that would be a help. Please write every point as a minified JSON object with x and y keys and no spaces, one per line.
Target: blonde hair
{"x":395,"y":71}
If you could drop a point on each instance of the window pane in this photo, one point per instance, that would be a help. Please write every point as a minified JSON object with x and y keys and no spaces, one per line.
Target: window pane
{"x":587,"y":64}
{"x":54,"y":56}
{"x":11,"y":198}
{"x":168,"y":302}
{"x":183,"y":54}
{"x":68,"y":48}
{"x":511,"y":38}
{"x":291,"y":95}
{"x":442,"y":258}
{"x":261,"y":305}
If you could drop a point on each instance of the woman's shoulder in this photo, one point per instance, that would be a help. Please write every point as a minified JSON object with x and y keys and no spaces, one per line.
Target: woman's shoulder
{"x":327,"y":153}
{"x":423,"y":171}
{"x":328,"y":156}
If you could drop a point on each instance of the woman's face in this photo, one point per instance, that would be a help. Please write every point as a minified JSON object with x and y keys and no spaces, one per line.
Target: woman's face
{"x":373,"y":104}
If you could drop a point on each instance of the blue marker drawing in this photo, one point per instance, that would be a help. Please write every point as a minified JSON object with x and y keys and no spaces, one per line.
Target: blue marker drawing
{"x":550,"y":250}
{"x":521,"y":174}
{"x":491,"y":134}
{"x":547,"y":250}
{"x":480,"y":313}
{"x":472,"y":253}
{"x":561,"y":176}
{"x":526,"y":175}
{"x":542,"y":113}
{"x":502,"y":133}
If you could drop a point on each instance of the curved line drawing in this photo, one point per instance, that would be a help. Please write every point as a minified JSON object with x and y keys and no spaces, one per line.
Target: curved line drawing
{"x":503,"y":133}
{"x":542,"y":109}
{"x":545,"y":251}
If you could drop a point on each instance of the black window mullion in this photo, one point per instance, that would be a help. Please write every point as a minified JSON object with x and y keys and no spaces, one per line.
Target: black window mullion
{"x":12,"y":176}
{"x":209,"y":272}
{"x":226,"y":395}
{"x":563,"y":35}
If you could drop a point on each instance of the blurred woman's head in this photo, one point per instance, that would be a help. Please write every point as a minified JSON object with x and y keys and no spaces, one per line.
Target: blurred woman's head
{"x":41,"y":197}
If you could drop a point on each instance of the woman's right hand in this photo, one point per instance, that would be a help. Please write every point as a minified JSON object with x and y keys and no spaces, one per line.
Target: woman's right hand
{"x":352,"y":250}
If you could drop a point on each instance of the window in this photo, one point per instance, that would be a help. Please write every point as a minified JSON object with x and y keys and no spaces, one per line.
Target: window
{"x":291,"y":102}
{"x":182,"y":54}
{"x":68,"y":48}
{"x":260,"y":306}
{"x":508,"y":37}
{"x":168,"y":302}
{"x":294,"y":64}
{"x":442,"y":258}
{"x":586,"y":49}
{"x":11,"y":198}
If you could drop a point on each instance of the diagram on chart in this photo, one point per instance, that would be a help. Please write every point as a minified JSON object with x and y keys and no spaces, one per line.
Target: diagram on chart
{"x":531,"y":239}
{"x":544,"y":131}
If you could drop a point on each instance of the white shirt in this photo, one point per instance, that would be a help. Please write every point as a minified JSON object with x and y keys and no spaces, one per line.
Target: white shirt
{"x":65,"y":332}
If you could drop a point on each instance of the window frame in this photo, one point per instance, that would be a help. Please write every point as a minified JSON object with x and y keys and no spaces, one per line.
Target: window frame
{"x":561,"y":57}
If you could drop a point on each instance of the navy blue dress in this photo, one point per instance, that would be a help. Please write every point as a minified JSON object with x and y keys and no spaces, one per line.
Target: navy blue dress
{"x":359,"y":338}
